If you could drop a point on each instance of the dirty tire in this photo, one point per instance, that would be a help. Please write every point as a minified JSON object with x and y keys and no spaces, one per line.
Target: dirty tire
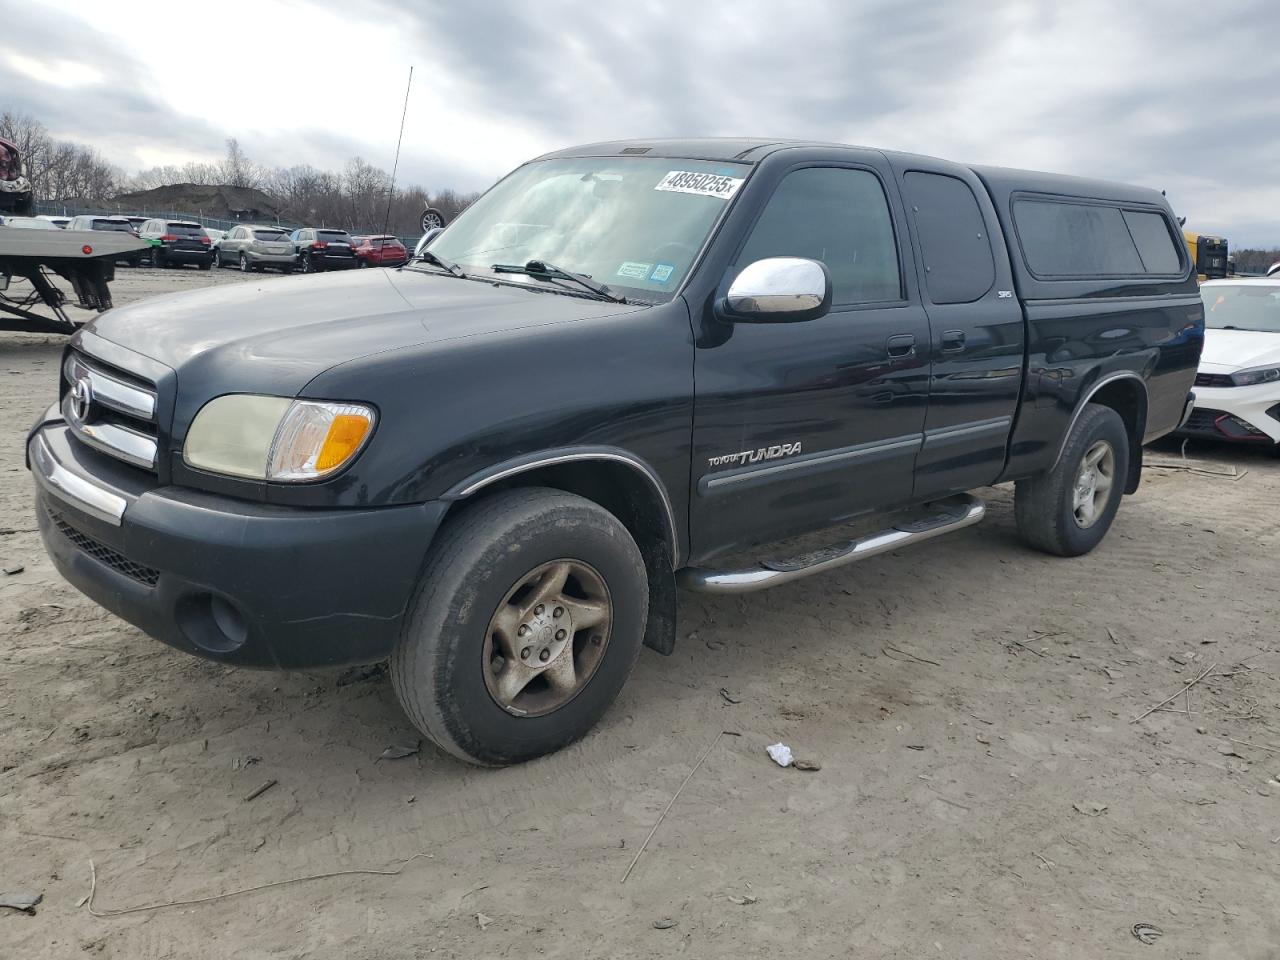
{"x":437,"y":667}
{"x":1043,"y":505}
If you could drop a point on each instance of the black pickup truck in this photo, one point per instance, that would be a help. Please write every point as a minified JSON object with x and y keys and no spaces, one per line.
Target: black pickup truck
{"x":627,"y":368}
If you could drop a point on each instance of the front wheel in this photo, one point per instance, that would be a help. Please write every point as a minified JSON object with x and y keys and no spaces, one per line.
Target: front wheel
{"x":527,"y":621}
{"x":1068,"y":510}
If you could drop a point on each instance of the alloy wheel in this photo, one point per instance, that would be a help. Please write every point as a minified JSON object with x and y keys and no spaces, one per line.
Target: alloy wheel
{"x":1093,"y":484}
{"x":547,"y":638}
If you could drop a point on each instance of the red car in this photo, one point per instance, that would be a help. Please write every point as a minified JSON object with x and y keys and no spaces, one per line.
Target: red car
{"x":380,"y":252}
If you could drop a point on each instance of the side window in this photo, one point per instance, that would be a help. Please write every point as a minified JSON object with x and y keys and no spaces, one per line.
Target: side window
{"x":1075,"y":239}
{"x":1155,"y":242}
{"x":840,"y":217}
{"x":959,"y":266}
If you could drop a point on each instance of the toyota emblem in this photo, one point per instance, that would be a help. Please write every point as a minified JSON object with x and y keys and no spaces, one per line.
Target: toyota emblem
{"x":81,"y":398}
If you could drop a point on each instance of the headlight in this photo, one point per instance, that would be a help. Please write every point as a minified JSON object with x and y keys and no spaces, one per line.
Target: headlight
{"x":1247,"y":378}
{"x":273,"y":438}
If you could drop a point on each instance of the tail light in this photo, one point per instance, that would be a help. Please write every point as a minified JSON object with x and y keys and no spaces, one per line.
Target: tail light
{"x":206,"y":241}
{"x":318,"y":245}
{"x":168,"y":238}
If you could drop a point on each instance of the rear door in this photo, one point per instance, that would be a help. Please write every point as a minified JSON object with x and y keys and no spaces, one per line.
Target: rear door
{"x":977,"y":334}
{"x":800,"y":425}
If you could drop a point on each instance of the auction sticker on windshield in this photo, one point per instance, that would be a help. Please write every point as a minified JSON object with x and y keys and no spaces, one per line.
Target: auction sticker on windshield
{"x":702,"y":184}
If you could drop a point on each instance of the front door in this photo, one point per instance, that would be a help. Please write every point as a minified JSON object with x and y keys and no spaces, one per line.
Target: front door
{"x":800,"y":425}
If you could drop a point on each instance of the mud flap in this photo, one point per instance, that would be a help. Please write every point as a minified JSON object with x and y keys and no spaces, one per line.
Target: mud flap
{"x":660,"y":630}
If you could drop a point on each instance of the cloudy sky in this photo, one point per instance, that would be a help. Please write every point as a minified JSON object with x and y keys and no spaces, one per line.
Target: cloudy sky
{"x":1180,"y":95}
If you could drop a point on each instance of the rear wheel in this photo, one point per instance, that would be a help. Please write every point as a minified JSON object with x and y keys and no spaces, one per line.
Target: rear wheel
{"x":1068,"y":510}
{"x":244,"y":263}
{"x":527,"y":621}
{"x":304,"y":263}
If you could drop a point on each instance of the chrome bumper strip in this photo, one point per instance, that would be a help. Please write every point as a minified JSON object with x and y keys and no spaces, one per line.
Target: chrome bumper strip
{"x":72,"y":488}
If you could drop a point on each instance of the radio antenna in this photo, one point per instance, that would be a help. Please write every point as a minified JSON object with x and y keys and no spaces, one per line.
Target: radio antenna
{"x":391,"y":192}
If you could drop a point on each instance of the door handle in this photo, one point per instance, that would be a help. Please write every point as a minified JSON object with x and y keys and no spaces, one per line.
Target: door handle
{"x":952,"y":341}
{"x":903,"y":345}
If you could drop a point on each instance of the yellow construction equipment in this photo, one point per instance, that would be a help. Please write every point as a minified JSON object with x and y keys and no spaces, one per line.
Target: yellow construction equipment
{"x":1209,"y":254}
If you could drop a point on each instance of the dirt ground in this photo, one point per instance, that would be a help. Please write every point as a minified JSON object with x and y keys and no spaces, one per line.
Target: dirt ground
{"x":983,"y":792}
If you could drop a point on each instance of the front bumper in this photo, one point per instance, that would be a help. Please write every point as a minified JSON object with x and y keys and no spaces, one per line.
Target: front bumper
{"x":225,"y":579}
{"x":1245,"y":414}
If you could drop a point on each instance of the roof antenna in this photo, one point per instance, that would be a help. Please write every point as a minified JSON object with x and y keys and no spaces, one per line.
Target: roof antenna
{"x":391,"y":192}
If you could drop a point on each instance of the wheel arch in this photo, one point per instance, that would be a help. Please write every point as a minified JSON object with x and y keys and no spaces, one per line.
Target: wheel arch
{"x":621,"y":483}
{"x":1125,"y":392}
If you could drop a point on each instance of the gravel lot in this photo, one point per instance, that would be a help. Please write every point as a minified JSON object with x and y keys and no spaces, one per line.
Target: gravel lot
{"x":983,"y":793}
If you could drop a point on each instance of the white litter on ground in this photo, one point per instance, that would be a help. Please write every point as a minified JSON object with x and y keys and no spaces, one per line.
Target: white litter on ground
{"x":781,"y":754}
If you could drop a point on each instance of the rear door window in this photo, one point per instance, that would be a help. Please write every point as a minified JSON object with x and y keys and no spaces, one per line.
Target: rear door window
{"x":1062,"y":239}
{"x":839,"y":216}
{"x":1155,"y":242}
{"x":959,"y":265}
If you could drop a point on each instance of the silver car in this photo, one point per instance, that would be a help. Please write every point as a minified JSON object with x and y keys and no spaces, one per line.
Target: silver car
{"x":253,"y":247}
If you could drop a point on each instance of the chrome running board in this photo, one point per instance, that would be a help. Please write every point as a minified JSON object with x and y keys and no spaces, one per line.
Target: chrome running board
{"x":939,"y":517}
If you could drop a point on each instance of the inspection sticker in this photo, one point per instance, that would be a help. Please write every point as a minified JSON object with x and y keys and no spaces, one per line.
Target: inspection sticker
{"x":662,"y":272}
{"x":633,"y":270}
{"x":703,"y":184}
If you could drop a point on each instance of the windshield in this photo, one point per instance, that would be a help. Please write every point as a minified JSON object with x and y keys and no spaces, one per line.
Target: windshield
{"x":1243,"y":306}
{"x":184,"y":229}
{"x":333,"y":236}
{"x":270,"y":235}
{"x":122,"y":225}
{"x":634,"y":223}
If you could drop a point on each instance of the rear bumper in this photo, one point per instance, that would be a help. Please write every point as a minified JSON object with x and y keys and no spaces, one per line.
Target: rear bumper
{"x":185,"y":256}
{"x":333,"y":263}
{"x":229,"y":580}
{"x":271,"y":259}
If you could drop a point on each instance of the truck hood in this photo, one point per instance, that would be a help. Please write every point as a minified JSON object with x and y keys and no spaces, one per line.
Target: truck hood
{"x":275,"y":335}
{"x":1228,"y":350}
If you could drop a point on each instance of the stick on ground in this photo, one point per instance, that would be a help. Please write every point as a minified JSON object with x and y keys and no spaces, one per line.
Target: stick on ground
{"x":1187,"y":686}
{"x":103,"y":914}
{"x":670,"y":803}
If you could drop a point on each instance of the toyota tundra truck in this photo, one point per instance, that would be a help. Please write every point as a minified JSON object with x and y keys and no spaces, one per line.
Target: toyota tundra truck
{"x":629,"y":368}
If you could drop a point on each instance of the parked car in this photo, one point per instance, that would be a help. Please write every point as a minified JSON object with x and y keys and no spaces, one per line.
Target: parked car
{"x":321,"y":249}
{"x":27,"y":223}
{"x":56,"y":221}
{"x":104,"y":222}
{"x":137,"y":223}
{"x":380,"y":251}
{"x":175,"y":242}
{"x":1238,"y":383}
{"x":254,"y":247}
{"x":15,"y":188}
{"x":493,"y":465}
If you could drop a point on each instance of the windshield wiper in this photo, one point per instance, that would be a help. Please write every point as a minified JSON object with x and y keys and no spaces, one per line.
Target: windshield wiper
{"x":541,"y":270}
{"x":426,"y":256}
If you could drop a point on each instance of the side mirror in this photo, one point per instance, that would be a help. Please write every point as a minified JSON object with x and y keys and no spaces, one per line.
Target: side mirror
{"x":426,"y":240}
{"x":779,"y":290}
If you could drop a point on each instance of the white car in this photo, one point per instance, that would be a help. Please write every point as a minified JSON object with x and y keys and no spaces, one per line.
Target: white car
{"x":1238,"y":384}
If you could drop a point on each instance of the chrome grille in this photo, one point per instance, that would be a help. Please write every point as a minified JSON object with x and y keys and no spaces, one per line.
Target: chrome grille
{"x":110,"y":410}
